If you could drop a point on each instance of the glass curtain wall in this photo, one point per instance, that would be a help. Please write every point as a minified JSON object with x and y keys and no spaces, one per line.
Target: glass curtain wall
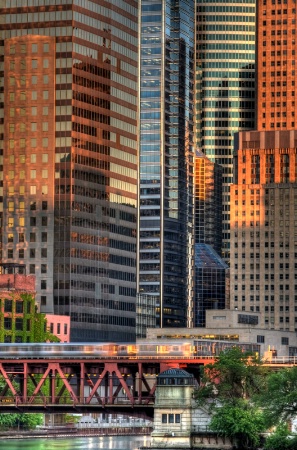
{"x":166,"y":164}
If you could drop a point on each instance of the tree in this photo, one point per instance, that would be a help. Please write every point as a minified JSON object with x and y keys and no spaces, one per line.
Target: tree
{"x":234,"y":375}
{"x":279,"y":397}
{"x":281,"y":439}
{"x":241,"y":422}
{"x":226,"y":388}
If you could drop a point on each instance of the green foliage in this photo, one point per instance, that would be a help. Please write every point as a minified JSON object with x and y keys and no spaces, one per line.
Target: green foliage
{"x":281,"y":439}
{"x":226,"y":388}
{"x":241,"y":422}
{"x":278,"y":399}
{"x":24,"y":421}
{"x":234,"y":375}
{"x":34,"y":323}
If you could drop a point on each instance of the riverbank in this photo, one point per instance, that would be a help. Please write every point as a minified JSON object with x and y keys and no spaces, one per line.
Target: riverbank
{"x":76,"y":433}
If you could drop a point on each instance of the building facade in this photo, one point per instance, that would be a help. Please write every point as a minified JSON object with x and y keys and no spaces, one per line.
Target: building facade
{"x":208,"y":202}
{"x":69,"y":157}
{"x":264,"y":198}
{"x":225,"y":86}
{"x":264,"y":228}
{"x":211,"y":283}
{"x":166,"y":159}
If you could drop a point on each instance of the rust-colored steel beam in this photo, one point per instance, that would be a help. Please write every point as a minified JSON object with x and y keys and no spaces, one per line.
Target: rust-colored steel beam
{"x":84,"y":384}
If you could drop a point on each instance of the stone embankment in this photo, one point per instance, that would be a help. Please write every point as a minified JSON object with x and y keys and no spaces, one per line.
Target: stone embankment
{"x":65,"y":432}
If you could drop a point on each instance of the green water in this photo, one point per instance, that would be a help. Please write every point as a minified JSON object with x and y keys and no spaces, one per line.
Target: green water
{"x":94,"y":443}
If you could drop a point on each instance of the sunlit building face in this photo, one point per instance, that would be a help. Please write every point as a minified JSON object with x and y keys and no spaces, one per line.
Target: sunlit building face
{"x":225,"y":77}
{"x":69,"y":158}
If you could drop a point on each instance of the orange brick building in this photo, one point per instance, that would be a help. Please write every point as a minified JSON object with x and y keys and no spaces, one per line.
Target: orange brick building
{"x":263,"y":272}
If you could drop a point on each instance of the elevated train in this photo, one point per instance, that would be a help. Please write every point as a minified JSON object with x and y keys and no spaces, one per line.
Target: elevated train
{"x":145,"y":349}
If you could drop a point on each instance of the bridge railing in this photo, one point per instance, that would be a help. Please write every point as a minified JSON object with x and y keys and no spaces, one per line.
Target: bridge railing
{"x":281,"y":360}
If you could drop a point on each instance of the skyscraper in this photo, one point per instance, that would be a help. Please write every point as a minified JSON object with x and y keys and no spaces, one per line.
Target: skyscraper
{"x":225,"y":85}
{"x":264,"y":198}
{"x":69,"y":154}
{"x":166,"y":164}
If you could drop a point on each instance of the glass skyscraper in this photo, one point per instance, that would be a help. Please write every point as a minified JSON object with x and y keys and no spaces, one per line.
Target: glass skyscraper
{"x":166,"y":160}
{"x":68,"y":150}
{"x":225,"y":85}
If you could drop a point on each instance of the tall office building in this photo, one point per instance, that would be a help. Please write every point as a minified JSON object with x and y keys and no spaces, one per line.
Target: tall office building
{"x":69,"y":157}
{"x":264,"y":198}
{"x":225,"y":53}
{"x":208,"y":202}
{"x":166,"y":165}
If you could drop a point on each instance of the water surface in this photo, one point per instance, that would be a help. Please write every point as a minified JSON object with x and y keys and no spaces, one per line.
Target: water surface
{"x":100,"y":442}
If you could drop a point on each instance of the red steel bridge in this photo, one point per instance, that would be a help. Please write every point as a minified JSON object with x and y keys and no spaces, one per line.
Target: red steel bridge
{"x":111,"y":385}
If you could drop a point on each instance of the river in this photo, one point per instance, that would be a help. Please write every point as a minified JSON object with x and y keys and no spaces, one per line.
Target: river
{"x":94,"y":443}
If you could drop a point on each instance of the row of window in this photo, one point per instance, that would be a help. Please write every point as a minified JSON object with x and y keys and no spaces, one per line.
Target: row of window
{"x":22,"y":80}
{"x":21,"y":237}
{"x":21,"y":221}
{"x":23,"y":64}
{"x":32,"y":254}
{"x":24,"y":111}
{"x":261,"y":340}
{"x":58,"y":328}
{"x":23,"y":48}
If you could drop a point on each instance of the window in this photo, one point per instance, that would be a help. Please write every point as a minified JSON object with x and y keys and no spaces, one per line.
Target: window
{"x":45,"y":142}
{"x":10,"y":237}
{"x":33,"y":126}
{"x":43,"y":284}
{"x":43,"y":300}
{"x":45,"y":111}
{"x":7,"y":305}
{"x":46,"y":47}
{"x":58,"y":328}
{"x":32,"y":237}
{"x":44,"y":173}
{"x":45,"y":95}
{"x":44,"y":253}
{"x":32,"y":252}
{"x":10,"y":253}
{"x":10,"y":222}
{"x":44,"y":157}
{"x":33,"y":221}
{"x":21,"y":253}
{"x":44,"y":221}
{"x":44,"y":126}
{"x":34,"y":63}
{"x":19,"y":324}
{"x":21,"y":237}
{"x":21,"y":221}
{"x":34,"y":79}
{"x":34,"y":48}
{"x":65,"y":328}
{"x":45,"y":64}
{"x":260,"y":339}
{"x":19,"y":307}
{"x":7,"y":323}
{"x":34,"y":111}
{"x":33,"y":190}
{"x":33,"y":173}
{"x":31,"y":266}
{"x":44,"y":190}
{"x":43,"y":237}
{"x":44,"y":205}
{"x":43,"y":268}
{"x":285,"y":341}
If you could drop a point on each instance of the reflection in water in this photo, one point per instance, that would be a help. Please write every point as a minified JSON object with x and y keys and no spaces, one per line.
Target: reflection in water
{"x":102,"y":442}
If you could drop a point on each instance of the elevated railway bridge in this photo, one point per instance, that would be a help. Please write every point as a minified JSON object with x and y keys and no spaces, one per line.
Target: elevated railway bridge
{"x":110,"y":384}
